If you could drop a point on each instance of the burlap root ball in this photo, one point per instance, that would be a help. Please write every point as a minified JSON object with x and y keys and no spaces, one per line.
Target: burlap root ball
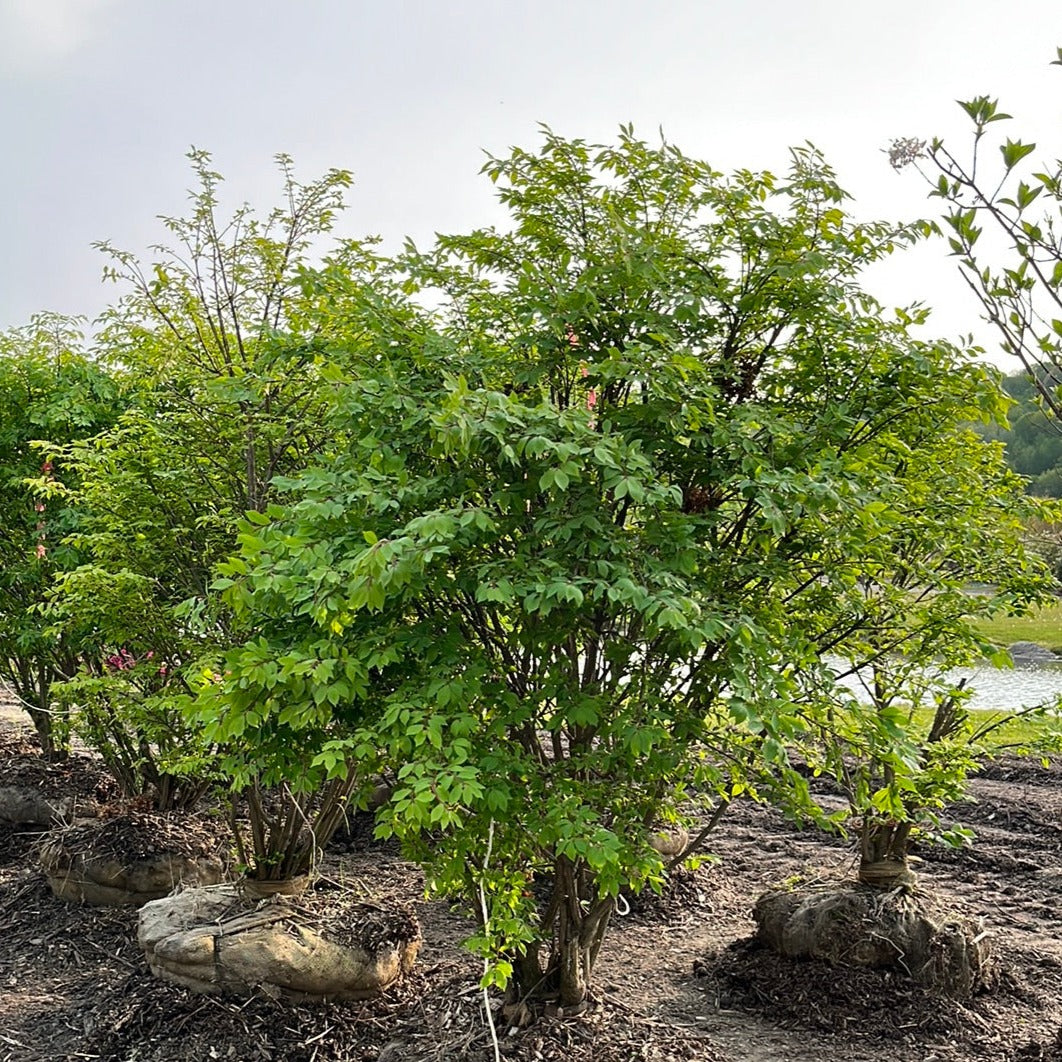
{"x":860,"y":926}
{"x":221,"y":941}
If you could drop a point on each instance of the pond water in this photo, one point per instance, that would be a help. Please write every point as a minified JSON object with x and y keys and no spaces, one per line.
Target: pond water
{"x":1003,"y":688}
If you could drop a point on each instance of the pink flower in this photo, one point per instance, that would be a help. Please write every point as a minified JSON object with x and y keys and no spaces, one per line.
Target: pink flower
{"x":41,"y":551}
{"x":39,"y":507}
{"x":591,"y":398}
{"x":123,"y":660}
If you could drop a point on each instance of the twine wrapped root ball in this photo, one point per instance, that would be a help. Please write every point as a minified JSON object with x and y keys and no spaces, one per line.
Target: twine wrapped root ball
{"x":223,"y":942}
{"x":24,"y":806}
{"x":131,"y":858}
{"x":669,"y":841}
{"x":860,"y":926}
{"x":35,"y":792}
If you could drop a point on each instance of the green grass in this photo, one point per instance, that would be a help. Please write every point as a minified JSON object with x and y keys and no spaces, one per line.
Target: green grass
{"x":1015,"y":730}
{"x":1043,"y":627}
{"x":1018,"y":731}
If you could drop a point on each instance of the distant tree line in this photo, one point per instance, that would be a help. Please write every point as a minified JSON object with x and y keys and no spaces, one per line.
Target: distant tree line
{"x":1033,"y":440}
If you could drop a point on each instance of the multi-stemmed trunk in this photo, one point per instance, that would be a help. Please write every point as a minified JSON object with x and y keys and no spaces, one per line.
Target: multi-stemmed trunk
{"x":883,"y":851}
{"x":286,"y":831}
{"x":573,"y":925}
{"x":133,"y":756}
{"x":884,"y":843}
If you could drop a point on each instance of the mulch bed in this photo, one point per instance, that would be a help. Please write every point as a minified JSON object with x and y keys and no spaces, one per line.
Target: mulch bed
{"x":129,"y":833}
{"x":21,"y":764}
{"x":862,"y":1005}
{"x":678,"y":977}
{"x":347,"y":920}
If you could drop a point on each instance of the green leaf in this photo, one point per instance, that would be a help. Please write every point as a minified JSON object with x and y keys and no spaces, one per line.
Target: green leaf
{"x":1014,"y":151}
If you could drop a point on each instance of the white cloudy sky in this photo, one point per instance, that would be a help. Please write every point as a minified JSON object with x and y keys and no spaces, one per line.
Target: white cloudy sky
{"x":100,"y":99}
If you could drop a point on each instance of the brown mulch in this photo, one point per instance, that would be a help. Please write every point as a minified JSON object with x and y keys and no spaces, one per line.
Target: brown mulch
{"x":21,"y":764}
{"x":860,"y":1004}
{"x":678,"y":977}
{"x":18,"y":843}
{"x":128,"y":834}
{"x":684,"y":891}
{"x":873,"y":1007}
{"x":1037,"y":1052}
{"x":342,"y":916}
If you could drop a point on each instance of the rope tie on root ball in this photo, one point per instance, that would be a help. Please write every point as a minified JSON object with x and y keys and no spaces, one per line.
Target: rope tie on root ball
{"x":886,"y":874}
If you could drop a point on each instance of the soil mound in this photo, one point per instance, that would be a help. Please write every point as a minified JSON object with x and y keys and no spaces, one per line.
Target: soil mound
{"x":861,"y":1004}
{"x":860,"y":926}
{"x":35,"y":792}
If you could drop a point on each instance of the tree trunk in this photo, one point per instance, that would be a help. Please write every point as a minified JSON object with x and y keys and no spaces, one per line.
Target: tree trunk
{"x":42,"y":724}
{"x":573,"y":926}
{"x":581,"y":938}
{"x":33,"y":691}
{"x":571,"y":971}
{"x":883,"y":854}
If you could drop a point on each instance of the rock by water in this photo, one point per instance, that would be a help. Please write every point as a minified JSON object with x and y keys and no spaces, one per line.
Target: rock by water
{"x":1031,"y":653}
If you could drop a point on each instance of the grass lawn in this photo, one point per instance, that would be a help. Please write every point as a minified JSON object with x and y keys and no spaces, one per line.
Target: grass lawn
{"x":1014,"y":732}
{"x":1043,"y":627}
{"x":1017,"y":731}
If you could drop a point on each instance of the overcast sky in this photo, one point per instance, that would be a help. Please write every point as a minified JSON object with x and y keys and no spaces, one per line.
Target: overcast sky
{"x":102,"y":98}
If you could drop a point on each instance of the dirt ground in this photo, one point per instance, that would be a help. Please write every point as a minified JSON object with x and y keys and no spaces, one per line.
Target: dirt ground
{"x":678,"y":978}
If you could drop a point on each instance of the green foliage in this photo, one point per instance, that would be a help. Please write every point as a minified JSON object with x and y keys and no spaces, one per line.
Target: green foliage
{"x":570,"y":550}
{"x":128,"y":697}
{"x":49,"y":390}
{"x":1031,"y":436}
{"x":1020,"y":286}
{"x":956,"y":515}
{"x":579,"y":548}
{"x":223,"y":343}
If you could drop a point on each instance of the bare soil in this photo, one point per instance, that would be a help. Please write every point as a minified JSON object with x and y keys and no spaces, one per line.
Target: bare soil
{"x":679,"y":977}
